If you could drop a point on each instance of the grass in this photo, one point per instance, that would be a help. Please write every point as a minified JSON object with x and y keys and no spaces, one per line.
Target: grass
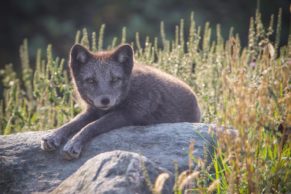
{"x":245,"y":88}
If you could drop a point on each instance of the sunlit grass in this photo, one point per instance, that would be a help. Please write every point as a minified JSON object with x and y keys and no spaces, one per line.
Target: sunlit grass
{"x":244,"y":88}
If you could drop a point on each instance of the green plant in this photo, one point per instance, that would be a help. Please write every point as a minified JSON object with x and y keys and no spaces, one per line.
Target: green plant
{"x":38,"y":99}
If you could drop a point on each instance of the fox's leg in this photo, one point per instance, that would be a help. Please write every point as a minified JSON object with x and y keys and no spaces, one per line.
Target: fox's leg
{"x":110,"y":121}
{"x":53,"y":140}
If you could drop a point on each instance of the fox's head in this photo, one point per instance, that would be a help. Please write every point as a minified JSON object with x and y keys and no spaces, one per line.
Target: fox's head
{"x":102,"y":78}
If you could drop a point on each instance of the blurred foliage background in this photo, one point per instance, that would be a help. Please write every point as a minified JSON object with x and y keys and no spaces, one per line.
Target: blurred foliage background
{"x":56,"y":22}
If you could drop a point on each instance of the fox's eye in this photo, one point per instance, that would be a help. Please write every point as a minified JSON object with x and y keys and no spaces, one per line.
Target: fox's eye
{"x":115,"y":79}
{"x":90,"y":80}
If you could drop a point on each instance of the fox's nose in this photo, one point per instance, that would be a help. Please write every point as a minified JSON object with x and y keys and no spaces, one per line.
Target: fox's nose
{"x":105,"y":101}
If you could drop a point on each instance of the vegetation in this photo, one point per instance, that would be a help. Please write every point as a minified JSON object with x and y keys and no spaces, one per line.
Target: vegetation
{"x":244,"y":88}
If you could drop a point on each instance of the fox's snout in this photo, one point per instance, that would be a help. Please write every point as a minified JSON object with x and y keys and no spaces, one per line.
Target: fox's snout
{"x":104,"y":102}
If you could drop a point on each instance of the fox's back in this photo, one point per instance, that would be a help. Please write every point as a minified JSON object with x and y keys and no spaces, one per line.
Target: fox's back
{"x":161,"y":97}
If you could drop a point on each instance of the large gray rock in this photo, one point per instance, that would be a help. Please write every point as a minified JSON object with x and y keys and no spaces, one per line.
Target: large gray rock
{"x":116,"y":172}
{"x":25,"y":168}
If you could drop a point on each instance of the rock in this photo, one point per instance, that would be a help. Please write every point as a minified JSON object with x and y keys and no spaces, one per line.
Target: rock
{"x":116,"y":172}
{"x":25,"y":168}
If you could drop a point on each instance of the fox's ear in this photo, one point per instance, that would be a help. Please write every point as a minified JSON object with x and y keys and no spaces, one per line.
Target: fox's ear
{"x":124,"y":55}
{"x":79,"y":55}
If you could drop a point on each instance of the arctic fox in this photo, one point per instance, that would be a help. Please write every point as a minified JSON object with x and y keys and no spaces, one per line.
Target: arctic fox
{"x":118,"y":92}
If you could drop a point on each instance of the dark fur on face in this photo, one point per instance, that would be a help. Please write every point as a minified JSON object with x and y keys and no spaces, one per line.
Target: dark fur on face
{"x":102,"y":80}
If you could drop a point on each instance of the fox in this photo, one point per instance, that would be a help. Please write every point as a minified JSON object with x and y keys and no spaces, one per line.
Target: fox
{"x":117,"y":91}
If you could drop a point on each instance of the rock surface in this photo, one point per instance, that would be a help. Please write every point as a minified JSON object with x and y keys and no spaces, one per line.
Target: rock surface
{"x":116,"y":172}
{"x":25,"y":168}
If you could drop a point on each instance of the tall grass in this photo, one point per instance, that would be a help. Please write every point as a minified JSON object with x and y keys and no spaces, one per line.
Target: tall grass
{"x":245,"y":88}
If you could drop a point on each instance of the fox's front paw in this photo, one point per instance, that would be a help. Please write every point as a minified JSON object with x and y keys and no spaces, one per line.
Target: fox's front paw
{"x":72,"y":149}
{"x":51,"y":142}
